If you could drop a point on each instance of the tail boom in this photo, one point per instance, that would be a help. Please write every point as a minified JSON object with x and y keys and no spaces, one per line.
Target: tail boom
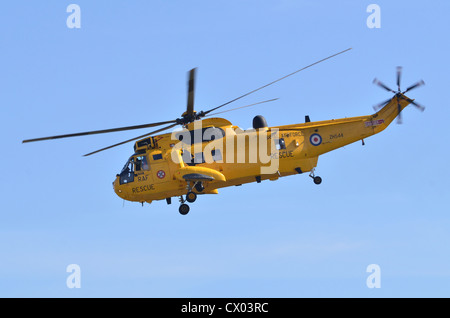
{"x":324,"y":136}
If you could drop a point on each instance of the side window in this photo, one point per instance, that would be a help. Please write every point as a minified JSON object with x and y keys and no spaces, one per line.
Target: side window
{"x":280,"y":144}
{"x":141,"y":163}
{"x":187,"y":157}
{"x":216,"y":154}
{"x":199,"y":158}
{"x":212,"y":133}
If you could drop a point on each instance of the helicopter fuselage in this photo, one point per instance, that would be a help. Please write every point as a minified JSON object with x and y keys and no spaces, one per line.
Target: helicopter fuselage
{"x":166,"y":166}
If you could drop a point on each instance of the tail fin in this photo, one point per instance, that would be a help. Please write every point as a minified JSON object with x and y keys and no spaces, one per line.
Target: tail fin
{"x":391,"y":110}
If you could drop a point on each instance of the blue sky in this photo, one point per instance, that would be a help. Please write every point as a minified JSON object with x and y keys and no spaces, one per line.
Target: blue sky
{"x":383,"y":203}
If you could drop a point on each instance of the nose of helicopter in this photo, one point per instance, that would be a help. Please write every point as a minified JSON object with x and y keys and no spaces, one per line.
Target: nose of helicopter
{"x":116,"y":187}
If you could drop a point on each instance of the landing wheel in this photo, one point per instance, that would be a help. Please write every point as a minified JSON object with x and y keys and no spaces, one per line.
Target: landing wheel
{"x":184,"y":209}
{"x":191,"y":197}
{"x":317,"y":180}
{"x":199,"y":187}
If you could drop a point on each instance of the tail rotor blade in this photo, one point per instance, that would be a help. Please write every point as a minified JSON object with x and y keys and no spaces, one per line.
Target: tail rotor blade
{"x":377,"y":82}
{"x":420,"y":83}
{"x":399,"y":75}
{"x":420,"y":107}
{"x":381,"y":105}
{"x":399,"y":110}
{"x":399,"y":119}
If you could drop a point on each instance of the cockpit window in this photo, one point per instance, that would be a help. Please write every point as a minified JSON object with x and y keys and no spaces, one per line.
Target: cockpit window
{"x":127,"y":173}
{"x":129,"y":166}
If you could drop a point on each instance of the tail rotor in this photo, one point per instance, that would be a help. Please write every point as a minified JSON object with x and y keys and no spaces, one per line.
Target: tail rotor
{"x":399,"y":94}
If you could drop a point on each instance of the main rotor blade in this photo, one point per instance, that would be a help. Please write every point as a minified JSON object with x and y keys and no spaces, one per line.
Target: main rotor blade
{"x":123,"y":142}
{"x":419,"y":83}
{"x":100,"y":131}
{"x":255,"y":90}
{"x":229,"y":110}
{"x":191,"y":87}
{"x":399,"y":75}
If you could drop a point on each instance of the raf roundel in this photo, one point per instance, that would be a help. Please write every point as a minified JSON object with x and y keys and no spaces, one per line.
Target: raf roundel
{"x":161,"y":174}
{"x":315,"y":139}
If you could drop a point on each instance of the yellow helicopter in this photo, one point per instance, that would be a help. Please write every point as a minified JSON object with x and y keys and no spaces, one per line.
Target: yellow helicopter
{"x":212,"y":153}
